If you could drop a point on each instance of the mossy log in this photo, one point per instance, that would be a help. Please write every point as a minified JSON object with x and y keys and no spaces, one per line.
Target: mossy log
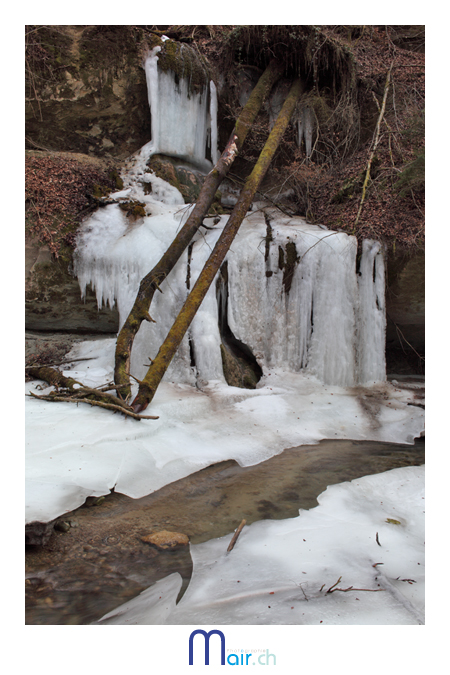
{"x":150,"y":383}
{"x":153,"y":280}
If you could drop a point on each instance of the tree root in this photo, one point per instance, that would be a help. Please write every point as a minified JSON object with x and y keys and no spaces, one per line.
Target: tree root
{"x":71,"y":391}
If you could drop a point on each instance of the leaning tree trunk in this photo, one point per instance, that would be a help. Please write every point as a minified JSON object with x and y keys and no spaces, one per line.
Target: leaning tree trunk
{"x":150,"y":383}
{"x":152,"y":281}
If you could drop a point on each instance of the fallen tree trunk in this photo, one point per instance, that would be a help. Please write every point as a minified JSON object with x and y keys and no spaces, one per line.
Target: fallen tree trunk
{"x":152,"y":281}
{"x":149,"y":385}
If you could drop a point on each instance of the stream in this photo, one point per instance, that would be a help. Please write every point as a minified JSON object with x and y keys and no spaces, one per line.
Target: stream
{"x":101,"y":562}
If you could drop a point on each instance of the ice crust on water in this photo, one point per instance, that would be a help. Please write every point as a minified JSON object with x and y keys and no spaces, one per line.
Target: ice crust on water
{"x":279,"y":571}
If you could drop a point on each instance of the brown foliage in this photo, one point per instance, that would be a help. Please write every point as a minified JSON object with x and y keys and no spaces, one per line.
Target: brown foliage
{"x":58,"y":195}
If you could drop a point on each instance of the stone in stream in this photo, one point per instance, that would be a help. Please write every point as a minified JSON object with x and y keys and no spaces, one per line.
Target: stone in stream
{"x":166,"y":541}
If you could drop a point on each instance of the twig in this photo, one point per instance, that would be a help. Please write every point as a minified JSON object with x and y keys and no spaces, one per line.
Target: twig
{"x":330,"y":590}
{"x":401,"y":336}
{"x":333,"y":588}
{"x":235,"y":536}
{"x":304,"y":594}
{"x":60,"y":363}
{"x":350,"y":588}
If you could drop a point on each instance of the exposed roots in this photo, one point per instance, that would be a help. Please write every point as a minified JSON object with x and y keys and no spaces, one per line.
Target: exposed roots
{"x":71,"y":391}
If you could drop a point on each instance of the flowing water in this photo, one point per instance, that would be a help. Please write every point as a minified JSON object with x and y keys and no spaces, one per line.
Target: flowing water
{"x":101,"y":562}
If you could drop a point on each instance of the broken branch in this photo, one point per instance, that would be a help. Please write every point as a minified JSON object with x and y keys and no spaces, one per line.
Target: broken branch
{"x":333,"y":588}
{"x":110,"y":406}
{"x":235,"y":536}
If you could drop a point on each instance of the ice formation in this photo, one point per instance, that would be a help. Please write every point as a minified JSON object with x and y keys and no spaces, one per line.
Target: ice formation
{"x":305,"y":129}
{"x":184,"y":122}
{"x":366,"y":535}
{"x":294,"y":296}
{"x":313,"y":321}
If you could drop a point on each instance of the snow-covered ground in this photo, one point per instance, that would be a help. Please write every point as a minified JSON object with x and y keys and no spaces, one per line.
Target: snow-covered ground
{"x":73,"y":451}
{"x":279,"y":571}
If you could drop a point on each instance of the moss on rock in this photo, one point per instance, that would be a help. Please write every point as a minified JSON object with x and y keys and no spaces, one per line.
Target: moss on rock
{"x":133,"y":209}
{"x":186,"y":63}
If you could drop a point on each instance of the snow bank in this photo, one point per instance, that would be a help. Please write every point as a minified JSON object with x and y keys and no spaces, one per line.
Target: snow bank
{"x":76,"y":450}
{"x":367,"y":535}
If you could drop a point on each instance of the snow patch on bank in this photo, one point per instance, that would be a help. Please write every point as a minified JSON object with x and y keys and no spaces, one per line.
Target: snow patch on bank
{"x":356,"y":559}
{"x":76,"y":450}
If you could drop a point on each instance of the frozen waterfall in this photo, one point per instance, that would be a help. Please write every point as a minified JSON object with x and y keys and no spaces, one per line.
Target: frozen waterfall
{"x":329,"y":320}
{"x":183,"y":121}
{"x":296,"y":299}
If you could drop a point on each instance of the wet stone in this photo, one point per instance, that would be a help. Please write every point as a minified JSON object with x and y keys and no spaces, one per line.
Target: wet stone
{"x":165,"y":540}
{"x":37,"y":533}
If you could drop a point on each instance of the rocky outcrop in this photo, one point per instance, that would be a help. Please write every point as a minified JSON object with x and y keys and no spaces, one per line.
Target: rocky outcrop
{"x":405,"y":310}
{"x":53,"y":297}
{"x":86,"y":90}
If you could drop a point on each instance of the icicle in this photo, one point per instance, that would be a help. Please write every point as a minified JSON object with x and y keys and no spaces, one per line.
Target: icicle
{"x":276,"y":100}
{"x":213,"y":122}
{"x":372,"y":319}
{"x":151,"y":73}
{"x":181,"y":118}
{"x":305,"y":129}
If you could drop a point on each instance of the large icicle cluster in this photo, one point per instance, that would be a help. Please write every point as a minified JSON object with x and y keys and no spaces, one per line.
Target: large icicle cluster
{"x":295,"y":298}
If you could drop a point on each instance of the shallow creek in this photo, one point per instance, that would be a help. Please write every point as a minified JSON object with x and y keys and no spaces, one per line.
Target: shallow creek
{"x":101,"y":562}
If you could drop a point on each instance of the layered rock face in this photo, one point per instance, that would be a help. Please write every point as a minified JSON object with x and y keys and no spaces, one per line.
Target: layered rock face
{"x":53,"y":298}
{"x":86,"y":91}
